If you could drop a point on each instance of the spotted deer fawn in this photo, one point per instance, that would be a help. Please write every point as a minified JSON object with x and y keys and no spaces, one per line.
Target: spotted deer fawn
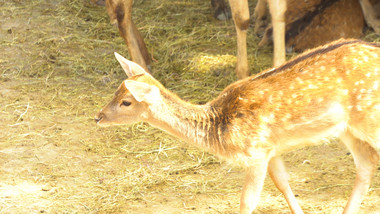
{"x":329,"y":91}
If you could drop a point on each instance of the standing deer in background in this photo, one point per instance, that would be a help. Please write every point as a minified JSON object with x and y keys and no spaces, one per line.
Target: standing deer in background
{"x":333,"y":90}
{"x":120,"y":11}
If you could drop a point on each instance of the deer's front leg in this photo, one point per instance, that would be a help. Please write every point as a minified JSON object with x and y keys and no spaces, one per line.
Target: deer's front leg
{"x":280,"y":177}
{"x":254,"y":181}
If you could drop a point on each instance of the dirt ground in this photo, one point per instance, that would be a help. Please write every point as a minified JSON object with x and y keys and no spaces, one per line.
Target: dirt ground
{"x":58,"y":70}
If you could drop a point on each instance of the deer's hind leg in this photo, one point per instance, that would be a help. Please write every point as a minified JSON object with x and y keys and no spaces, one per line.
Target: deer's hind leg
{"x":366,"y":159}
{"x":121,"y":11}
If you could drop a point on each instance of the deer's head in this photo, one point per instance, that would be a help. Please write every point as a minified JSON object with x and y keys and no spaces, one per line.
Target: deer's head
{"x":133,"y":97}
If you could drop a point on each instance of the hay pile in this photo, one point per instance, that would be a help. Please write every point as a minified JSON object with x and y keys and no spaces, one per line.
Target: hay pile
{"x":58,"y":70}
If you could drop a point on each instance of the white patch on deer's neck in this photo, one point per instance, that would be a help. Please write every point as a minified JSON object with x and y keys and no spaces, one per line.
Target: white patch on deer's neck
{"x":180,"y":120}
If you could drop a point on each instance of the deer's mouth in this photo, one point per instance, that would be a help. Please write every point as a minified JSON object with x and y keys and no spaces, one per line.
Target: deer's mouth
{"x":99,"y":120}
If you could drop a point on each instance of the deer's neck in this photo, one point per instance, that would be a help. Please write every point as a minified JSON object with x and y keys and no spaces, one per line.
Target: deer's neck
{"x":199,"y":124}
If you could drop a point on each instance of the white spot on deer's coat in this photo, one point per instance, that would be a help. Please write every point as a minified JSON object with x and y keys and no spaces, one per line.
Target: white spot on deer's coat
{"x":269,"y":119}
{"x":376,"y":85}
{"x":270,"y":100}
{"x":286,"y":117}
{"x":335,"y":109}
{"x":299,"y":80}
{"x":311,"y":86}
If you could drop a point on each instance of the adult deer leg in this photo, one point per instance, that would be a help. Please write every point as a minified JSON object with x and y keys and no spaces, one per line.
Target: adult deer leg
{"x":132,"y":37}
{"x":277,"y":172}
{"x":277,"y":10}
{"x":240,"y":15}
{"x":366,"y":159}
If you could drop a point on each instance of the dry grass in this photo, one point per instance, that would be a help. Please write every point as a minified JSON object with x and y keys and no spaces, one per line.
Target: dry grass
{"x":58,"y":69}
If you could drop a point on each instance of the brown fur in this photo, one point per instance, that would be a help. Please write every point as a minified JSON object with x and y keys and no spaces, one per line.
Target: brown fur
{"x":343,"y":19}
{"x":313,"y":23}
{"x":331,"y":90}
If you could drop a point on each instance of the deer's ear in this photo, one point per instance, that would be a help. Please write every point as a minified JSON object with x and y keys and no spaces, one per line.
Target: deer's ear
{"x":130,"y":68}
{"x":143,"y":91}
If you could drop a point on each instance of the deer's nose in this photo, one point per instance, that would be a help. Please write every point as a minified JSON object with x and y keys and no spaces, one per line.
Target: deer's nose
{"x":98,"y":118}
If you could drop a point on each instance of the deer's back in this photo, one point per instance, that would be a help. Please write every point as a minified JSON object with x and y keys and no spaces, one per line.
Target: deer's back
{"x":315,"y":95}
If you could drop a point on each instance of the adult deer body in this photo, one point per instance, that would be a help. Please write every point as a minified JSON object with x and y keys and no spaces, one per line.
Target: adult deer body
{"x":313,"y":20}
{"x":333,"y":90}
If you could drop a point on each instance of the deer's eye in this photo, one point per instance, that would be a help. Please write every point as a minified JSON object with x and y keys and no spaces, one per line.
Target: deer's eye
{"x":126,"y":103}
